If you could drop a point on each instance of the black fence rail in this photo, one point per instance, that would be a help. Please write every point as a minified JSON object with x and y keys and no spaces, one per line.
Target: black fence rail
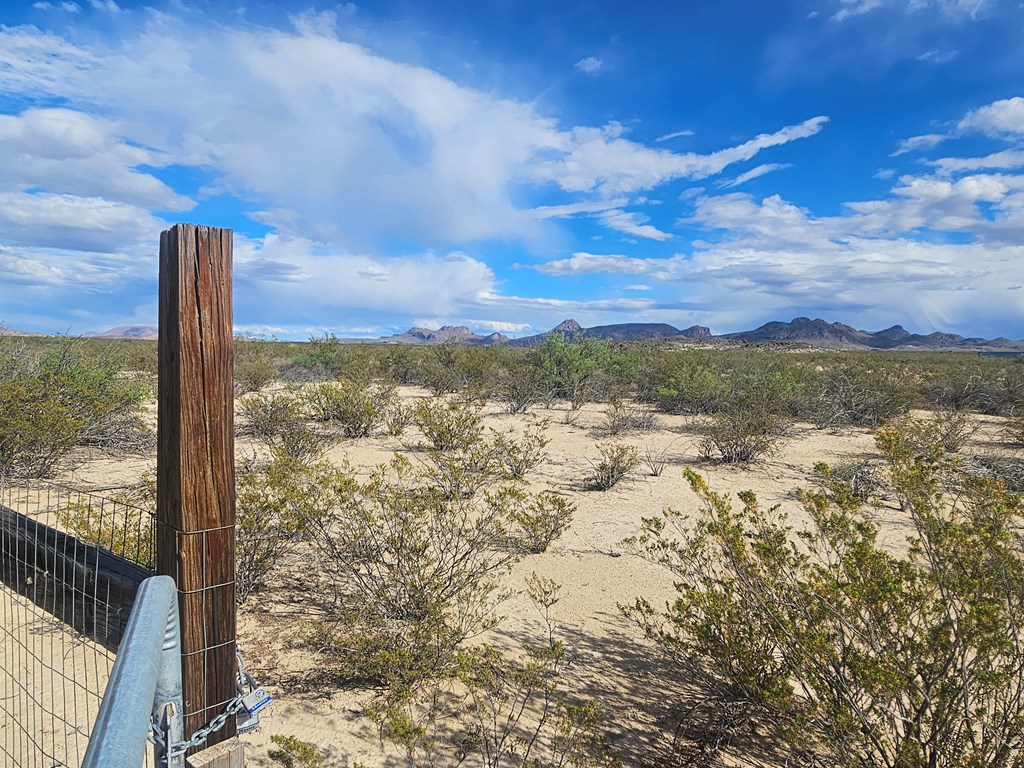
{"x":70,"y":565}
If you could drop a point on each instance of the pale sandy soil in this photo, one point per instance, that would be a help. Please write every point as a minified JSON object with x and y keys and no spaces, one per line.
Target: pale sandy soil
{"x":612,"y":663}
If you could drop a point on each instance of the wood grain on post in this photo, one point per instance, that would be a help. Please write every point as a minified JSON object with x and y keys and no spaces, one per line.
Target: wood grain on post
{"x":196,"y":463}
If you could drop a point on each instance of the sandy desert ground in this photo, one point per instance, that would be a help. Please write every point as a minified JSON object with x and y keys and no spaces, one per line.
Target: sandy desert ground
{"x":611,"y":661}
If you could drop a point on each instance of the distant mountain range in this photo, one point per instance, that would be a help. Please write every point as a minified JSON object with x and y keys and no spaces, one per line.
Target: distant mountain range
{"x":618,"y":332}
{"x":126,"y":332}
{"x":5,"y":331}
{"x":819,"y":333}
{"x":800,"y":331}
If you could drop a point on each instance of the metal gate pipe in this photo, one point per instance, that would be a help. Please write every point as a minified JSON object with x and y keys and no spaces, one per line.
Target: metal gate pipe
{"x":145,"y":682}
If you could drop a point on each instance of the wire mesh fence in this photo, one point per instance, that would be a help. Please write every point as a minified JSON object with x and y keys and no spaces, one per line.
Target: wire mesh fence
{"x":70,"y":565}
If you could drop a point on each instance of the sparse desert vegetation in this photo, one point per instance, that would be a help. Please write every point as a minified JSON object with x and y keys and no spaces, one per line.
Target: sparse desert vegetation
{"x":425,"y":561}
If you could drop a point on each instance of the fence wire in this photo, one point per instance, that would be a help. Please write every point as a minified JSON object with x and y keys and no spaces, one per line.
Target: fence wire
{"x":70,"y":563}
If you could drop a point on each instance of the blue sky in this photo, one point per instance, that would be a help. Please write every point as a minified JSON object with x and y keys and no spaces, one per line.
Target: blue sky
{"x":507,"y":165}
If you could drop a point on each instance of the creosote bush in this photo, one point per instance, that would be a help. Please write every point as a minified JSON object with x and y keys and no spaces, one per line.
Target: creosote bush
{"x":68,"y":393}
{"x":617,"y":462}
{"x":502,"y":708}
{"x":448,"y":424}
{"x":356,"y":407}
{"x":122,"y":523}
{"x":274,"y":499}
{"x":739,"y":436}
{"x":852,"y":654}
{"x":518,"y":457}
{"x":277,"y":420}
{"x":621,"y":416}
{"x":417,"y":563}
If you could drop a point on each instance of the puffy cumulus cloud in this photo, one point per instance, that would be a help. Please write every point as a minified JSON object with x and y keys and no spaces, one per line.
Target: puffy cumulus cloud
{"x":282,"y":277}
{"x":879,"y":262}
{"x":70,"y":222}
{"x":868,"y":282}
{"x":1000,"y":118}
{"x":983,"y":205}
{"x":70,"y":152}
{"x":1006,"y":159}
{"x":332,"y":141}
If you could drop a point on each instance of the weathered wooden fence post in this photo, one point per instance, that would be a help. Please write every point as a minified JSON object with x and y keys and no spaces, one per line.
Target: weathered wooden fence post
{"x":196,"y":463}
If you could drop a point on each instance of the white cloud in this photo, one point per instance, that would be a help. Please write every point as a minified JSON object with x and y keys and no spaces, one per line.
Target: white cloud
{"x":65,"y":6}
{"x":591,"y":264}
{"x":852,"y":8}
{"x":1006,"y":159}
{"x":632,"y":223}
{"x":500,"y":326}
{"x":756,"y":172}
{"x":382,"y":136}
{"x":954,"y":10}
{"x":1003,"y":117}
{"x":573,"y":209}
{"x":938,"y":57}
{"x":675,"y":135}
{"x":591,"y":65}
{"x":918,"y":143}
{"x":65,"y":151}
{"x":602,"y":160}
{"x":299,"y":279}
{"x":71,"y":222}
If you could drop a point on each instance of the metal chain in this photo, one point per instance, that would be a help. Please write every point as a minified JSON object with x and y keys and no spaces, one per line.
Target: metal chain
{"x":236,"y":705}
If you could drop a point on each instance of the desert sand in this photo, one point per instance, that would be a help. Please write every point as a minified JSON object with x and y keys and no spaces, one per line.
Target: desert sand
{"x":611,"y":661}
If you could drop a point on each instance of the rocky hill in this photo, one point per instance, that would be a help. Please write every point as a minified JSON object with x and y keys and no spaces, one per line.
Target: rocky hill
{"x":617,"y":332}
{"x":446,"y":334}
{"x":126,"y":332}
{"x":819,"y":333}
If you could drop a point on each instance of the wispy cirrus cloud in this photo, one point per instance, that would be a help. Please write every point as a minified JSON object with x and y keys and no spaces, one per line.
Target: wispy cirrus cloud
{"x":675,"y":135}
{"x":583,"y":263}
{"x":755,"y":173}
{"x":632,"y":223}
{"x":591,"y":65}
{"x":918,"y":143}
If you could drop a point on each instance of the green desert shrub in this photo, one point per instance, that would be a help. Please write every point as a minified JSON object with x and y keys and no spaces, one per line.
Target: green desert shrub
{"x":448,"y":424}
{"x":274,"y":501}
{"x":255,"y":365}
{"x":739,"y":436}
{"x":356,"y":407}
{"x":61,"y":397}
{"x":499,"y":708}
{"x":292,"y":752}
{"x":569,"y":367}
{"x":615,"y":463}
{"x":277,"y":421}
{"x":864,"y":394}
{"x":535,"y":521}
{"x":519,"y":456}
{"x":850,"y":653}
{"x":622,"y":416}
{"x":689,"y":383}
{"x":122,"y":523}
